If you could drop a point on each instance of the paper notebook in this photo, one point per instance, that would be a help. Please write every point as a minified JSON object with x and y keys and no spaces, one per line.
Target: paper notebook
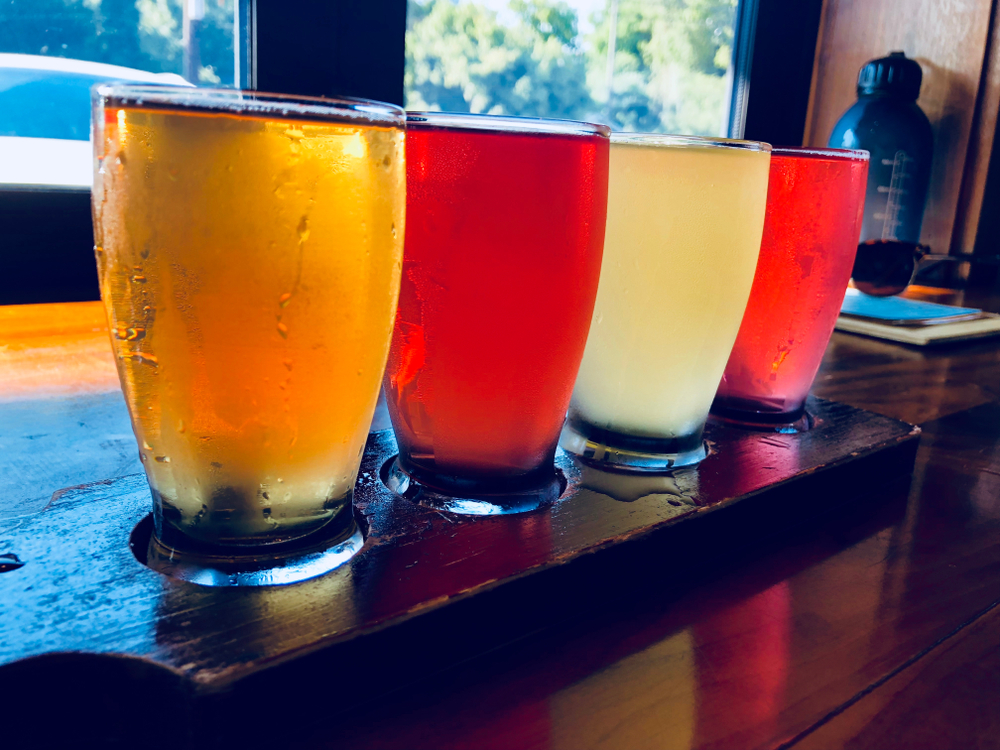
{"x":913,"y":322}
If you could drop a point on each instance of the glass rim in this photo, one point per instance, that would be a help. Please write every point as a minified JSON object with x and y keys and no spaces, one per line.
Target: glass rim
{"x":850,"y":154}
{"x":700,"y":141}
{"x":506,"y":123}
{"x":240,"y":102}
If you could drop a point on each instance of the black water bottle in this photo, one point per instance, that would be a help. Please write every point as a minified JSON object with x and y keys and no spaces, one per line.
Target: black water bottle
{"x":887,"y":122}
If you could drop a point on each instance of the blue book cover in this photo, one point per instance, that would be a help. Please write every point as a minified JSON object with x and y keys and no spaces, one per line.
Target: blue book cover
{"x":902,"y":310}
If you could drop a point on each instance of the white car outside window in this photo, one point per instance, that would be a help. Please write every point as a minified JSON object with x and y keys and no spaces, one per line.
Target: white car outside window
{"x":45,"y":118}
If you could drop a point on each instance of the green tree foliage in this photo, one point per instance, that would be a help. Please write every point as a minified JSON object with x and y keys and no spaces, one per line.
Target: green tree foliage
{"x":144,"y":34}
{"x":669,"y":74}
{"x":462,"y":59}
{"x":676,"y":53}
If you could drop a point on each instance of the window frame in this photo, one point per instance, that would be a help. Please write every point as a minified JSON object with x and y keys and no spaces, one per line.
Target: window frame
{"x":773,"y":56}
{"x":784,"y":53}
{"x":744,"y":38}
{"x":286,"y":37}
{"x":318,"y":47}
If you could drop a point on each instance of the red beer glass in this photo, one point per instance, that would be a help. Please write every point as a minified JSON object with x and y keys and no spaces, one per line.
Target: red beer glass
{"x":815,"y":199}
{"x":504,"y":237}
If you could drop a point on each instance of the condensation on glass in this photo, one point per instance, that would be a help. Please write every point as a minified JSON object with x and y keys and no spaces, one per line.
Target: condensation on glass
{"x":487,"y":343}
{"x":685,"y":216}
{"x":249,"y":250}
{"x":815,"y":203}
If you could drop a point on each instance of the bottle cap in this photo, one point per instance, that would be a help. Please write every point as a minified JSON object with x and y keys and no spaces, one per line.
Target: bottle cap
{"x":896,"y":74}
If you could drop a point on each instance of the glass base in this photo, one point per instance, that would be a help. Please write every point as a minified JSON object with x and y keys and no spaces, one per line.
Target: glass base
{"x":271,"y":565}
{"x":611,"y":450}
{"x":786,"y":423}
{"x":475,"y":503}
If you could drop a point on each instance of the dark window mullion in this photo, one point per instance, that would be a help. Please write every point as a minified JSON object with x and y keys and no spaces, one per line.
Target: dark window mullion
{"x":781,"y":74}
{"x":744,"y":36}
{"x":329,"y":47}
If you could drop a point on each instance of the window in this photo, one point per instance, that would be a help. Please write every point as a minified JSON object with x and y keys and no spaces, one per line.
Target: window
{"x":190,"y":38}
{"x":53,"y":51}
{"x":672,"y":68}
{"x":637,"y":65}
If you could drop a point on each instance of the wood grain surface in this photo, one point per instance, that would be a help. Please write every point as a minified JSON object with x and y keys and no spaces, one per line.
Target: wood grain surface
{"x":977,"y":162}
{"x":873,"y":627}
{"x":78,"y":565}
{"x":63,"y":420}
{"x":55,"y":350}
{"x":920,"y":706}
{"x":760,"y":654}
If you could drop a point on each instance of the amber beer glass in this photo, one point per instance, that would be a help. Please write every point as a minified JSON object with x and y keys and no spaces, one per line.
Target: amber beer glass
{"x":249,"y":249}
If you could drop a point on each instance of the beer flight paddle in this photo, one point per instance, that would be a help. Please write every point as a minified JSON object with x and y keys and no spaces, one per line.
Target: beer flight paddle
{"x":252,"y":250}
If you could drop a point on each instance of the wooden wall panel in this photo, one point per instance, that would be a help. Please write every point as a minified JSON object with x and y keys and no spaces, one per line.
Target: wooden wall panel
{"x":977,"y":163}
{"x":948,"y":38}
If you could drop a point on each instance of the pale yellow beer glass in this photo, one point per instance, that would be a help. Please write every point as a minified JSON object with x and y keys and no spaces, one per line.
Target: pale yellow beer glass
{"x":685,"y":217}
{"x":249,"y":249}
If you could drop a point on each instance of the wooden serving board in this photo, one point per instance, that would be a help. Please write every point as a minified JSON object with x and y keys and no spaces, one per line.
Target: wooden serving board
{"x":81,"y":593}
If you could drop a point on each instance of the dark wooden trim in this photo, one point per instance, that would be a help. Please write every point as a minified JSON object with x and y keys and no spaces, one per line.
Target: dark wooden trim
{"x":324,"y":48}
{"x":46,"y":246}
{"x":781,"y":74}
{"x":988,"y":233}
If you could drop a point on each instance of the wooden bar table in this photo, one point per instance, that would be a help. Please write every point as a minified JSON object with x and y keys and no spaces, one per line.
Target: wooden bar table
{"x":874,"y":627}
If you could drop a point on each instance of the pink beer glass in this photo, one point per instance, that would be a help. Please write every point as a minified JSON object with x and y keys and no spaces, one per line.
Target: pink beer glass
{"x":504,"y":239}
{"x":815,"y":199}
